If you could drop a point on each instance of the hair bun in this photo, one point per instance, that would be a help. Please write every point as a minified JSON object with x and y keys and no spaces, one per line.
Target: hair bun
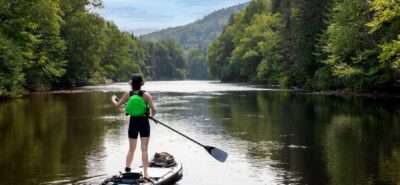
{"x":136,"y":81}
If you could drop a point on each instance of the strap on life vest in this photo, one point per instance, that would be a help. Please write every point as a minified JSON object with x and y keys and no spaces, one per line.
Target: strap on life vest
{"x":140,"y":93}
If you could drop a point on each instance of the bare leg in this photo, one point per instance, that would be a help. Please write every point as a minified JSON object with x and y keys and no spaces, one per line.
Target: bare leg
{"x":145,"y":157}
{"x":132,"y":148}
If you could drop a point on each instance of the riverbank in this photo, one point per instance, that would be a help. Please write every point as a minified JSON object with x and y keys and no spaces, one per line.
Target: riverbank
{"x":339,"y":93}
{"x":344,"y":93}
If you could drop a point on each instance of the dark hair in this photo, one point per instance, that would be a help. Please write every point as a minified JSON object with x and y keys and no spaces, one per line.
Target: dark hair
{"x":136,"y":81}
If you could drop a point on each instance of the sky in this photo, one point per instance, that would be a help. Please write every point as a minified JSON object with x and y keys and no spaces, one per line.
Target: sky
{"x":145,"y":16}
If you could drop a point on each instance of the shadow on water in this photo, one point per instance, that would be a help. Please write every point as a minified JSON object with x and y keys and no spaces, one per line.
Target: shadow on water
{"x":319,"y":139}
{"x":272,"y":138}
{"x":39,"y":135}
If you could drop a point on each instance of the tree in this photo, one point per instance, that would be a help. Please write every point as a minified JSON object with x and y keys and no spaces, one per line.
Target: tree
{"x":10,"y":68}
{"x":386,"y":24}
{"x":196,"y":58}
{"x":351,"y":51}
{"x":225,"y":53}
{"x":166,"y":60}
{"x":83,"y":34}
{"x":34,"y":27}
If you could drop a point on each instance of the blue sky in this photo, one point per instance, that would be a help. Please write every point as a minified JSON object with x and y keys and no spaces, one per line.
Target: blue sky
{"x":144,"y":16}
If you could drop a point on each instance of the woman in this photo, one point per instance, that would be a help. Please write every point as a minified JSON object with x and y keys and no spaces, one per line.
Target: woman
{"x":138,"y":124}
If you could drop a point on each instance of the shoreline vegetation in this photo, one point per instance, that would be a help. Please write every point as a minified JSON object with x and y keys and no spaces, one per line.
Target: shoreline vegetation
{"x":321,"y":47}
{"x":47,"y":44}
{"x":338,"y":93}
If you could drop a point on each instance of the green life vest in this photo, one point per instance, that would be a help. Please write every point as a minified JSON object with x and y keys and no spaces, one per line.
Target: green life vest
{"x":136,"y":105}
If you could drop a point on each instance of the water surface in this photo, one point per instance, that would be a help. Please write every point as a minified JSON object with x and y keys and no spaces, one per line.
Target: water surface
{"x":272,"y":136}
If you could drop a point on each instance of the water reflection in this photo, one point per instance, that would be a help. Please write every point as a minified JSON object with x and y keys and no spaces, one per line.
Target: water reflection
{"x":272,"y":137}
{"x":39,"y":136}
{"x":320,"y":139}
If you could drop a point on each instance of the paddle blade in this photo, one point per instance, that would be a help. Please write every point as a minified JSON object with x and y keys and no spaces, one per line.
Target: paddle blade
{"x":218,"y":154}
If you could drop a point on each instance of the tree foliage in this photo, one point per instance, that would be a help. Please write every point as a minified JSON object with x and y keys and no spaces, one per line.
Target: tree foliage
{"x":386,"y":23}
{"x":166,"y":60}
{"x":197,"y":67}
{"x":11,"y":62}
{"x":47,"y":44}
{"x":196,"y":36}
{"x":311,"y":44}
{"x":199,"y":33}
{"x":34,"y":28}
{"x":243,"y":51}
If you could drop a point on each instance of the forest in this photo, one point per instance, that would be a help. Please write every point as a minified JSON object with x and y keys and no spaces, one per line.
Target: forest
{"x":52,"y":44}
{"x":199,"y":33}
{"x":349,"y":45}
{"x":195,"y":37}
{"x":313,"y":45}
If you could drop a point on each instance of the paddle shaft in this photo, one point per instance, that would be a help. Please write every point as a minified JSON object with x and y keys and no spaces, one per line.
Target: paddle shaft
{"x":177,"y":131}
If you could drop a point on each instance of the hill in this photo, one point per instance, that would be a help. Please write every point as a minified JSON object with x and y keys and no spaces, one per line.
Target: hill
{"x":199,"y":33}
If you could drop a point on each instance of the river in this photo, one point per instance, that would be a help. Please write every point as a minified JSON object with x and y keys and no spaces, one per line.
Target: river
{"x":272,"y":136}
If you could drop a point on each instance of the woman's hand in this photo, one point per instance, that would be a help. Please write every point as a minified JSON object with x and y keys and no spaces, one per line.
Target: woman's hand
{"x":153,"y":113}
{"x":119,"y":102}
{"x":113,"y":98}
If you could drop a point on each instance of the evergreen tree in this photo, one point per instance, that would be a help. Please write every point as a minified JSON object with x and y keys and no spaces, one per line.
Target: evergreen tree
{"x":197,"y":68}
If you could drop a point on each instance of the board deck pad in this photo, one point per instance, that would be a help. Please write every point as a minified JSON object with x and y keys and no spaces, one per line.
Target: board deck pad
{"x":159,"y":176}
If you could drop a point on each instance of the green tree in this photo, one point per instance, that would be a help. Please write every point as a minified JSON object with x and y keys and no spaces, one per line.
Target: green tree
{"x":386,"y":23}
{"x":260,"y":37}
{"x":222,"y":59}
{"x":351,"y":51}
{"x":34,"y":27}
{"x":133,"y":60}
{"x":83,"y":34}
{"x":270,"y":70}
{"x":197,"y":68}
{"x":11,"y":62}
{"x":309,"y":26}
{"x":218,"y":54}
{"x":166,"y":60}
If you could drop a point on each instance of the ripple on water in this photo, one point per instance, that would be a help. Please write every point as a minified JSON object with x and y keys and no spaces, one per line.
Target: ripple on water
{"x":111,"y":118}
{"x":257,"y":116}
{"x":60,"y":181}
{"x":297,"y":146}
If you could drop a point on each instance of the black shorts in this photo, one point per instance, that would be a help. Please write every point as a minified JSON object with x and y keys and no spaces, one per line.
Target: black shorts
{"x":139,"y":125}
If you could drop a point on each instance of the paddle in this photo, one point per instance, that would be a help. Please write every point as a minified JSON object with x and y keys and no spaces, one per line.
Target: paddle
{"x":218,"y":154}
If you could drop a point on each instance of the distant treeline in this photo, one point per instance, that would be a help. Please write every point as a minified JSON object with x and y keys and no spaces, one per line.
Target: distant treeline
{"x":312,"y":44}
{"x":195,"y":37}
{"x":199,"y":33}
{"x":48,"y":44}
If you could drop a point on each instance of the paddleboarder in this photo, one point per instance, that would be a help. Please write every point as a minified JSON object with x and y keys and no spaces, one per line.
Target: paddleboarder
{"x":138,"y":105}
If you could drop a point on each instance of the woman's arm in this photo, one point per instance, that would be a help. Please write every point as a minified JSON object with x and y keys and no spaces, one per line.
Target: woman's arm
{"x":148,"y":99}
{"x":122,"y":101}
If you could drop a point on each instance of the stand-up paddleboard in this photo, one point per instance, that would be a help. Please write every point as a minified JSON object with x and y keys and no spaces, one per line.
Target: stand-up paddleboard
{"x":163,"y":169}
